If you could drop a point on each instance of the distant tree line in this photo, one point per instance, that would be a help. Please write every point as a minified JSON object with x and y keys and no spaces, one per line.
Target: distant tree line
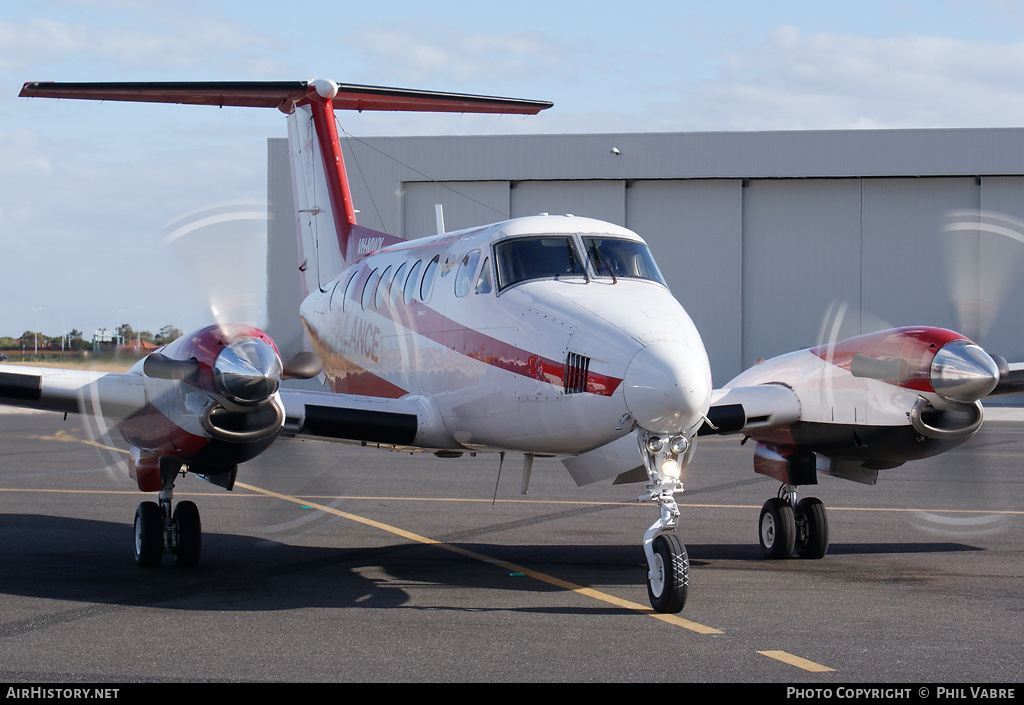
{"x":75,"y":340}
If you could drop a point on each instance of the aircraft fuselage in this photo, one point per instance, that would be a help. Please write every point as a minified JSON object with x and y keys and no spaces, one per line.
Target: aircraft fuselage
{"x":525,"y":335}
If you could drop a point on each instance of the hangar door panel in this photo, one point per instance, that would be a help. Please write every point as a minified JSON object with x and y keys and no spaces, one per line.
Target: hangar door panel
{"x":694,"y":229}
{"x":905,"y":275}
{"x":466,"y":204}
{"x":999,"y":259}
{"x":801,"y":253}
{"x":604,"y":200}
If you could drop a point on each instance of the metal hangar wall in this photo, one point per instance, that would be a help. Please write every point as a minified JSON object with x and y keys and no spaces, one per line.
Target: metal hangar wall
{"x":773,"y":241}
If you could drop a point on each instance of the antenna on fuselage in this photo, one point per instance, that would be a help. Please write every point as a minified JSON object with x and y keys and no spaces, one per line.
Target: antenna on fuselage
{"x":439,"y":217}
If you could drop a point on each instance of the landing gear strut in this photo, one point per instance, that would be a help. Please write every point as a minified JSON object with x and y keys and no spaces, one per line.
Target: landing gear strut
{"x":158,"y":530}
{"x":787,"y":524}
{"x":668,"y":574}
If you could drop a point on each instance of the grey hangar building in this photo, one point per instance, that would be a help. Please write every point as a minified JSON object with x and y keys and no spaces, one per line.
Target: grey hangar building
{"x":772,"y":241}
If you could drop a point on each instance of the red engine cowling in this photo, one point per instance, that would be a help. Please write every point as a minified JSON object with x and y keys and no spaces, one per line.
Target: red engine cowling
{"x":211,"y":402}
{"x":923,"y":359}
{"x":855,"y":424}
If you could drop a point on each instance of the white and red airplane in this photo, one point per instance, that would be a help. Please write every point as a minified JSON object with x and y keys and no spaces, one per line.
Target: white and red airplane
{"x":551,"y":335}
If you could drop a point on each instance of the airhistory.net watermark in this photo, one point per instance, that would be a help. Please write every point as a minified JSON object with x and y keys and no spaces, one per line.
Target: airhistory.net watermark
{"x":49,"y":693}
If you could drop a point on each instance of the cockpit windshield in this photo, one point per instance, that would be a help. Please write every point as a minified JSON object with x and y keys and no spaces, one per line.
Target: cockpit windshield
{"x":544,"y":257}
{"x":616,"y":257}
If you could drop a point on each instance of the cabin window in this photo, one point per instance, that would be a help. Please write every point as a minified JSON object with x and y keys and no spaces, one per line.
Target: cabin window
{"x":545,"y":257}
{"x":368,"y":287}
{"x":335,"y":296}
{"x":467,"y":270}
{"x":378,"y":296}
{"x":617,"y":257}
{"x":349,"y":290}
{"x":396,"y":284}
{"x":428,"y":278}
{"x":410,"y":282}
{"x":483,"y":282}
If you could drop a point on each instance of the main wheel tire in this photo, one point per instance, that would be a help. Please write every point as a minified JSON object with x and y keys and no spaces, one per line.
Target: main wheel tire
{"x":812,"y":528}
{"x":190,"y":534}
{"x":149,"y":535}
{"x":668,"y":592}
{"x":777,"y":529}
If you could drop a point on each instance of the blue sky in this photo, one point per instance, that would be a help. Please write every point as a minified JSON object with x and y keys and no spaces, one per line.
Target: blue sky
{"x":87,"y":190}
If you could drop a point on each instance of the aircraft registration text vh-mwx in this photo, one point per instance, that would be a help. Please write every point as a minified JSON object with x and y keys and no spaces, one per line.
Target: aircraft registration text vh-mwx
{"x":544,"y":335}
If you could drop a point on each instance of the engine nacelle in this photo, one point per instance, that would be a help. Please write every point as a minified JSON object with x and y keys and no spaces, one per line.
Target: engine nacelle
{"x":212,"y":401}
{"x":923,"y":359}
{"x":877,"y":400}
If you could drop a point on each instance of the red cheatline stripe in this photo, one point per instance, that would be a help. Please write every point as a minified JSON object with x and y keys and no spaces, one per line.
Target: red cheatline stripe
{"x":422,"y":320}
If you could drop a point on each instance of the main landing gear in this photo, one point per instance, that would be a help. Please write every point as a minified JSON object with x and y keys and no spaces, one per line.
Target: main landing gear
{"x":787,"y":525}
{"x":668,"y":566}
{"x":158,"y":530}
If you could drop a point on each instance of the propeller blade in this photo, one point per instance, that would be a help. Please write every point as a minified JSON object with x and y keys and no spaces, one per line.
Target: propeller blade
{"x":983,"y":257}
{"x":305,"y":365}
{"x":223,"y":249}
{"x":160,"y":366}
{"x":869,"y":367}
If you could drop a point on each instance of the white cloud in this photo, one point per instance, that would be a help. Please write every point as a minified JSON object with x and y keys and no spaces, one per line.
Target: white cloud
{"x":825,"y":80}
{"x":168,"y":44}
{"x":418,"y":53}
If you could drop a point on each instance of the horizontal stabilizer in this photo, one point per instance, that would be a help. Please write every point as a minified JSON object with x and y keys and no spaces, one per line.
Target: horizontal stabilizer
{"x":284,"y":95}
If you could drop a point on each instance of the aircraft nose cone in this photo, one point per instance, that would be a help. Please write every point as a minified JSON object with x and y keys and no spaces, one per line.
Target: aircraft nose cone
{"x":963,"y":372}
{"x":667,"y":387}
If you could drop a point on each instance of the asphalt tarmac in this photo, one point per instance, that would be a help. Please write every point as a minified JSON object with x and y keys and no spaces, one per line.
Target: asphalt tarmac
{"x":338,"y":563}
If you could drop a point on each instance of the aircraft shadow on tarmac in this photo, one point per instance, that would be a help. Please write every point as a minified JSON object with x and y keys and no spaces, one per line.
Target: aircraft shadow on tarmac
{"x":89,"y":561}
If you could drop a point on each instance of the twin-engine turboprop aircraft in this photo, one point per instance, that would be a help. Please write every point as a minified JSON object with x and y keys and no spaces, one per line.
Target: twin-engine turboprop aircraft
{"x":538,"y":335}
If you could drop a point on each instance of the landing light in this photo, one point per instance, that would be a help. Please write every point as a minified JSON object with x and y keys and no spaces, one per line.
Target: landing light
{"x":678,"y":445}
{"x":655,"y":444}
{"x":670,"y":469}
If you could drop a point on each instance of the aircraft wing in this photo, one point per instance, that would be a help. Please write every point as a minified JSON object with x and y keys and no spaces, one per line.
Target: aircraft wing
{"x":406,"y":422}
{"x":410,"y":421}
{"x":741,"y":409}
{"x":115,"y":395}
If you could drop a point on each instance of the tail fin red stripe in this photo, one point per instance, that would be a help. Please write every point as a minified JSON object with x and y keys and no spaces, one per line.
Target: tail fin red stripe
{"x":334,"y":166}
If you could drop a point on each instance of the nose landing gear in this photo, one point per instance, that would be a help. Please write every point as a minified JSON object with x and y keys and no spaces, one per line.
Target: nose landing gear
{"x":668,"y":574}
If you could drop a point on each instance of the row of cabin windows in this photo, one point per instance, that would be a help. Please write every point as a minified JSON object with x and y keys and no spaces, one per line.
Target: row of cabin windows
{"x":406,"y":283}
{"x":517,"y":259}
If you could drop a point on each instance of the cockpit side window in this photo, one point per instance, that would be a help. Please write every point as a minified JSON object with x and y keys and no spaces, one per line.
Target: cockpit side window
{"x":483,"y":282}
{"x":617,"y":257}
{"x":467,"y":270}
{"x":543,"y":257}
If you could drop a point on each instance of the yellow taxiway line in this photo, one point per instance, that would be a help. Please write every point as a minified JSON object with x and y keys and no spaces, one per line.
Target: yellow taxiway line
{"x":511,"y":567}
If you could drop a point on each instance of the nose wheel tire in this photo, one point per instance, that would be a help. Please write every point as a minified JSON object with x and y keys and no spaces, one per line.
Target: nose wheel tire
{"x":777,"y":529}
{"x":149,"y":535}
{"x":668,"y":584}
{"x":811,"y":528}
